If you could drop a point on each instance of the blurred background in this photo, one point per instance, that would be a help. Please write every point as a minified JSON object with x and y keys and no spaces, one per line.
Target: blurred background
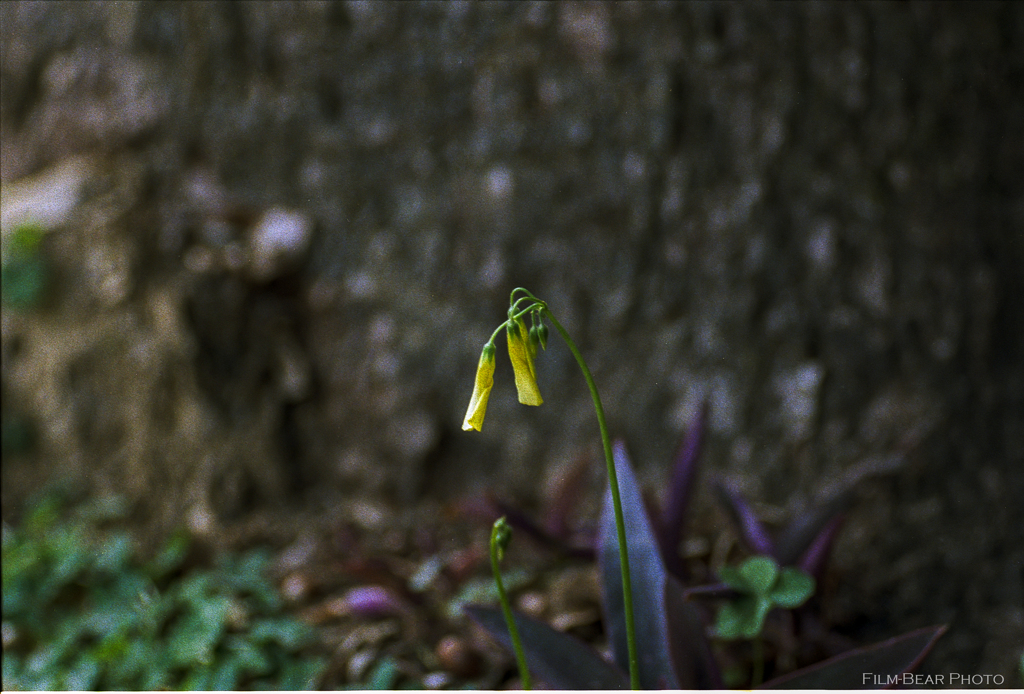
{"x":252,"y":251}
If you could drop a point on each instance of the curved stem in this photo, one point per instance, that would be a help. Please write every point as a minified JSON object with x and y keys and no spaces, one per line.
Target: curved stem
{"x":524,"y":290}
{"x":620,"y":524}
{"x":499,"y":537}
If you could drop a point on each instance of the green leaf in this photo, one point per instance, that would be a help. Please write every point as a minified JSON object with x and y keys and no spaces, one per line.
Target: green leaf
{"x":73,"y":553}
{"x":171,"y":556}
{"x":731,"y":619}
{"x":24,"y":282}
{"x":84,"y":674}
{"x":108,"y":619}
{"x":285,"y":632}
{"x":793,"y":588}
{"x":43,"y":660}
{"x":198,"y":680}
{"x":25,"y":239}
{"x":157,"y":675}
{"x":384,"y":675}
{"x":225,"y":676}
{"x":68,"y":636}
{"x":44,"y":515}
{"x":133,"y":659}
{"x":303,"y":674}
{"x":12,"y":672}
{"x":112,"y":648}
{"x":742,"y":618}
{"x":760,"y":574}
{"x":194,"y":589}
{"x":250,"y":657}
{"x":193,"y":640}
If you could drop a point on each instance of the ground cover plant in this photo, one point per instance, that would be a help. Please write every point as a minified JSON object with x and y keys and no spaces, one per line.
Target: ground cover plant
{"x":82,"y":611}
{"x":644,"y":581}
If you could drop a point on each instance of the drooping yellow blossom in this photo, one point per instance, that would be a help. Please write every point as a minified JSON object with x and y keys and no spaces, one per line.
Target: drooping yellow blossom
{"x":521,"y":354}
{"x":481,"y":390}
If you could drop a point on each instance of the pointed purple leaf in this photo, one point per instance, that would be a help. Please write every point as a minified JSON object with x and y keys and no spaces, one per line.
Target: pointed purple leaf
{"x":680,"y":490}
{"x":834,"y":499}
{"x":796,"y":538}
{"x":694,"y":665}
{"x":877,"y":666}
{"x":754,"y":535}
{"x":559,"y":660}
{"x":647,"y":574}
{"x":812,"y":562}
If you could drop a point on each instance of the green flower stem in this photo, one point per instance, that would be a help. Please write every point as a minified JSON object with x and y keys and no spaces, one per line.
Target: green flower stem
{"x":500,"y":534}
{"x":620,"y":524}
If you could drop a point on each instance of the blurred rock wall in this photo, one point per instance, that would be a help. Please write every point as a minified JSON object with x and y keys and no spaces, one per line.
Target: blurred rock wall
{"x":288,"y":228}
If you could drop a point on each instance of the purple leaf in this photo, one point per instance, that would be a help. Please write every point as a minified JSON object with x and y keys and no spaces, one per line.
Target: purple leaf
{"x":812,"y":562}
{"x":834,"y":499}
{"x":876,"y":666}
{"x":680,"y":490}
{"x":753,"y":534}
{"x":560,"y":660}
{"x":373,"y":602}
{"x":692,"y":660}
{"x":647,"y":573}
{"x":802,"y":532}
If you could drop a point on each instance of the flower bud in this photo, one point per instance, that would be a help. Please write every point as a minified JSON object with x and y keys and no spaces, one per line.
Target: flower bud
{"x":501,"y":535}
{"x":481,"y":390}
{"x":522,"y":363}
{"x":542,"y":335}
{"x":534,"y":342}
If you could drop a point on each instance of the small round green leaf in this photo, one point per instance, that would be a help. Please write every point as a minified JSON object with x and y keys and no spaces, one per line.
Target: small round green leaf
{"x":793,"y":588}
{"x":742,"y":618}
{"x":760,"y":574}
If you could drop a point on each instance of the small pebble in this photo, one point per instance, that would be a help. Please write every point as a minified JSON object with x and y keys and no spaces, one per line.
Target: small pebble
{"x":456,"y":657}
{"x":295,"y":586}
{"x":436,"y":680}
{"x":358,"y":664}
{"x":532,"y":603}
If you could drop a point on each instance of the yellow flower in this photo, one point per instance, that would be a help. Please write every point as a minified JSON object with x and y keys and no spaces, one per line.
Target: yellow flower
{"x":481,"y":390}
{"x":521,"y":354}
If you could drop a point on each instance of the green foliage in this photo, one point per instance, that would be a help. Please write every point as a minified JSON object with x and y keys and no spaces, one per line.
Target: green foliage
{"x":25,"y":272}
{"x":80,"y":611}
{"x":762,"y":586}
{"x":383,"y":677}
